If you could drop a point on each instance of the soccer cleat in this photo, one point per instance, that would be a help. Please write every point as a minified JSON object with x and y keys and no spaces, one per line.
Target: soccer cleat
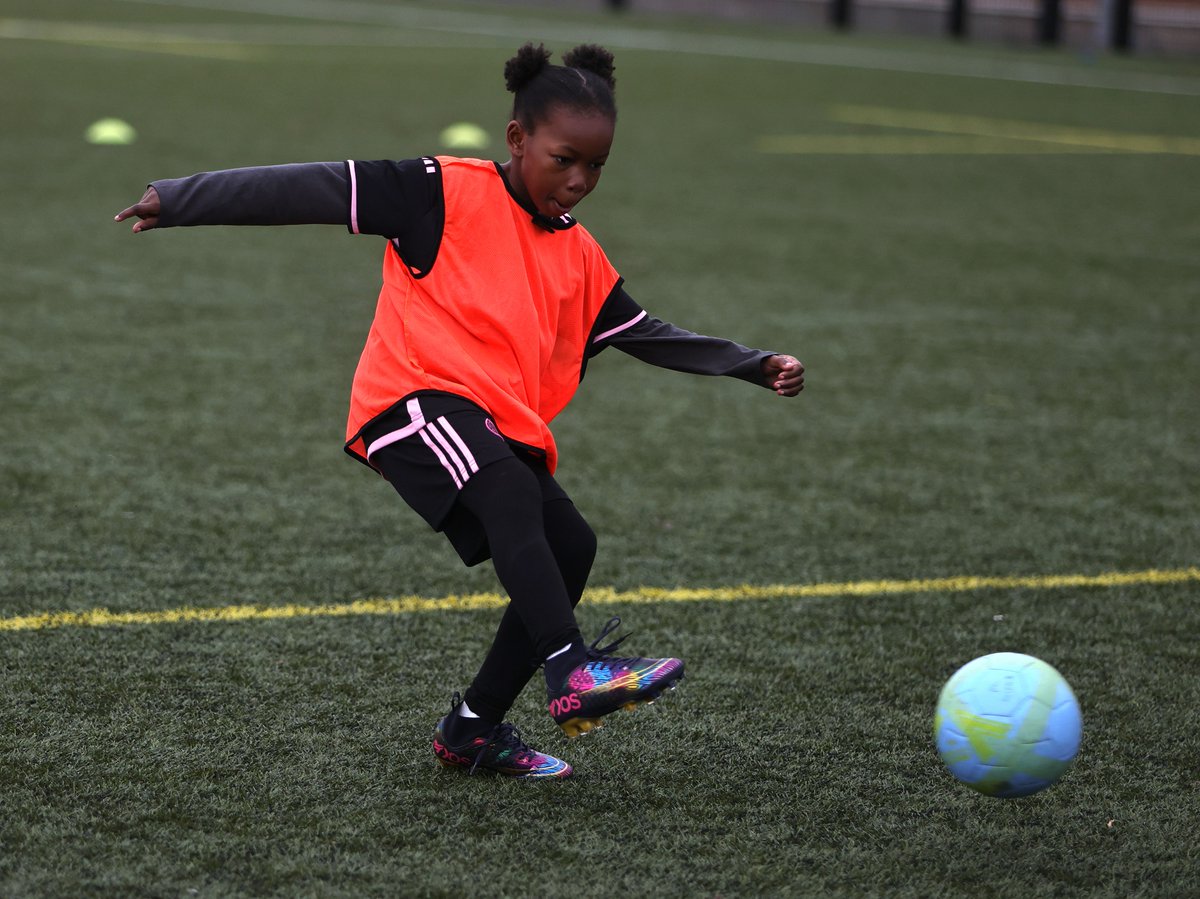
{"x":501,"y":751}
{"x":602,"y":684}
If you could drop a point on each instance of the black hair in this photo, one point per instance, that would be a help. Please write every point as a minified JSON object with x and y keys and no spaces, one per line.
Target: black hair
{"x":584,"y":84}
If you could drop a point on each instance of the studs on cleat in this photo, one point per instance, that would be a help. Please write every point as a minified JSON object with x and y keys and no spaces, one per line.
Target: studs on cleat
{"x":577,"y":727}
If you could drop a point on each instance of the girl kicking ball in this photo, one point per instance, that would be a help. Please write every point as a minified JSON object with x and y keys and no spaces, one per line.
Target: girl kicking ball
{"x":493,"y":300}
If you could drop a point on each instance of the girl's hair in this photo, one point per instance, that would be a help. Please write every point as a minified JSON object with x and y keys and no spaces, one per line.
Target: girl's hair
{"x":584,"y":84}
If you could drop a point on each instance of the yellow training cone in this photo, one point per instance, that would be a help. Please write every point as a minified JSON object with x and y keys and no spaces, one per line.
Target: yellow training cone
{"x":110,"y":131}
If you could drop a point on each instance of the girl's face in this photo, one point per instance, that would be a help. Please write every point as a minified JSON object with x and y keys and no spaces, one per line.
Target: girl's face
{"x":559,"y":162}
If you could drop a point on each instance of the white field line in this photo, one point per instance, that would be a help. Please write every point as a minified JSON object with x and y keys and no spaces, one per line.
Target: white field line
{"x":159,"y":36}
{"x":909,"y":145}
{"x":962,"y":135}
{"x":520,"y":28}
{"x":1008,"y":129}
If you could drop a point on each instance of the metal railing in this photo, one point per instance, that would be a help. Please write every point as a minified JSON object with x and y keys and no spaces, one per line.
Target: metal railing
{"x":1151,"y":26}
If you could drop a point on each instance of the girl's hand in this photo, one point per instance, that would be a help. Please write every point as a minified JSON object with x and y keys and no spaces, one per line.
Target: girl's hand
{"x":784,"y":374}
{"x":147,"y":209}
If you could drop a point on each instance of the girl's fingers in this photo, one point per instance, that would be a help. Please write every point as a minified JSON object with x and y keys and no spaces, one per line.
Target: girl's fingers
{"x":147,"y":213}
{"x":790,"y":380}
{"x":146,"y":208}
{"x":139,"y":209}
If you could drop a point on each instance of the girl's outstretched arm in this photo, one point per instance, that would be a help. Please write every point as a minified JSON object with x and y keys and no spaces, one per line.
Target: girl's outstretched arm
{"x":400,"y":200}
{"x":627,"y":326}
{"x":311,"y":193}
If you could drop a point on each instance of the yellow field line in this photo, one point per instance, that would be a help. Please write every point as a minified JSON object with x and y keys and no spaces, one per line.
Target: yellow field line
{"x":101,"y":617}
{"x":1008,"y":129}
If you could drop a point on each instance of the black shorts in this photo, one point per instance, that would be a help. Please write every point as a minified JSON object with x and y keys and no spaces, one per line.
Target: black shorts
{"x":430,"y":446}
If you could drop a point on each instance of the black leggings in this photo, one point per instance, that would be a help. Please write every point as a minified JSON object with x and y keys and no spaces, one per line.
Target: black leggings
{"x":543,"y":551}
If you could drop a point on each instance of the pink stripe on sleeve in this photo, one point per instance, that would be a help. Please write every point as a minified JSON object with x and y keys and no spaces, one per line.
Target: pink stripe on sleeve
{"x":353,"y":197}
{"x":619,"y":328}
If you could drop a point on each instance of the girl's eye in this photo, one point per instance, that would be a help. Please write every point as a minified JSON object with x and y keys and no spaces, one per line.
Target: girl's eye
{"x":561,"y":160}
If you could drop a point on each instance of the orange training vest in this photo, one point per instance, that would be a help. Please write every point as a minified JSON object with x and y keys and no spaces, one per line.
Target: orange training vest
{"x":502,"y":318}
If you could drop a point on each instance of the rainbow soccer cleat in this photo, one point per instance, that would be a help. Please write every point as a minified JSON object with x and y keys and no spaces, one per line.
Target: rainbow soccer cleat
{"x":602,"y":684}
{"x":501,"y":751}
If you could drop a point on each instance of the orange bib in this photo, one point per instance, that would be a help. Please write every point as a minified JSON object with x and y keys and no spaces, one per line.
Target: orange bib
{"x":501,"y":318}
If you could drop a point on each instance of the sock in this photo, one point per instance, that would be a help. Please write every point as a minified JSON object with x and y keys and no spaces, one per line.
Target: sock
{"x":560,"y":663}
{"x":465,"y":711}
{"x":462,"y":725}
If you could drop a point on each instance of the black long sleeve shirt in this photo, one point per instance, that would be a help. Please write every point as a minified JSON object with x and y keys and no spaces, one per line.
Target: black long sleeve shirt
{"x":405,"y":206}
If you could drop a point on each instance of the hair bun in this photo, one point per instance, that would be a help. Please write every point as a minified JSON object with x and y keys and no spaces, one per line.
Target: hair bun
{"x":592,"y":58}
{"x":525,"y":66}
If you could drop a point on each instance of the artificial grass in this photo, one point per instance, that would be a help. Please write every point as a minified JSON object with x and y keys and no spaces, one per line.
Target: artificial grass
{"x":1000,"y":382}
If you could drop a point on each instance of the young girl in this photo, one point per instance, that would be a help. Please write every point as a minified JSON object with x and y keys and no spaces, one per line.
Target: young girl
{"x":493,"y":300}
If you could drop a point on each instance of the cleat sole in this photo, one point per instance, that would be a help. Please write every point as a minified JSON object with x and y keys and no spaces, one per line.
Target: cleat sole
{"x":577,"y":727}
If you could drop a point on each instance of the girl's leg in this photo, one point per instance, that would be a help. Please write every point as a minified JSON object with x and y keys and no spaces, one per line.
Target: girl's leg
{"x":513,"y":658}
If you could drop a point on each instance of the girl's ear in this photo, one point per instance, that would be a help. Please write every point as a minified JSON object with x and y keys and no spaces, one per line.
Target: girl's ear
{"x":515,"y":136}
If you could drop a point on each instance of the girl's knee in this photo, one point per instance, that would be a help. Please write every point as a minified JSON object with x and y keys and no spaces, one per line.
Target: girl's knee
{"x":572,"y":540}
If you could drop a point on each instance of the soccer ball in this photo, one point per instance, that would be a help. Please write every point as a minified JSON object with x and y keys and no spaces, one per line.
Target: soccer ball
{"x":1007,"y":725}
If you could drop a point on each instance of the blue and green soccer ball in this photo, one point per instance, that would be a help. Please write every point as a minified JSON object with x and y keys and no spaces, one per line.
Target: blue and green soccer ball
{"x":1007,"y":725}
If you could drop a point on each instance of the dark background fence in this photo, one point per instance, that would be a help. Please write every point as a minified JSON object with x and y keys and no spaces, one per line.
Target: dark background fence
{"x":1123,"y":26}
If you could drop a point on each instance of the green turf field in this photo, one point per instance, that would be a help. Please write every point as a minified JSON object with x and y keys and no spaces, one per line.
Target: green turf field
{"x":987,"y":260}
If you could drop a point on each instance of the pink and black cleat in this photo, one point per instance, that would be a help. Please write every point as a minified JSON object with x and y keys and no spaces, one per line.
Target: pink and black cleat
{"x":601,"y":684}
{"x":500,"y":751}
